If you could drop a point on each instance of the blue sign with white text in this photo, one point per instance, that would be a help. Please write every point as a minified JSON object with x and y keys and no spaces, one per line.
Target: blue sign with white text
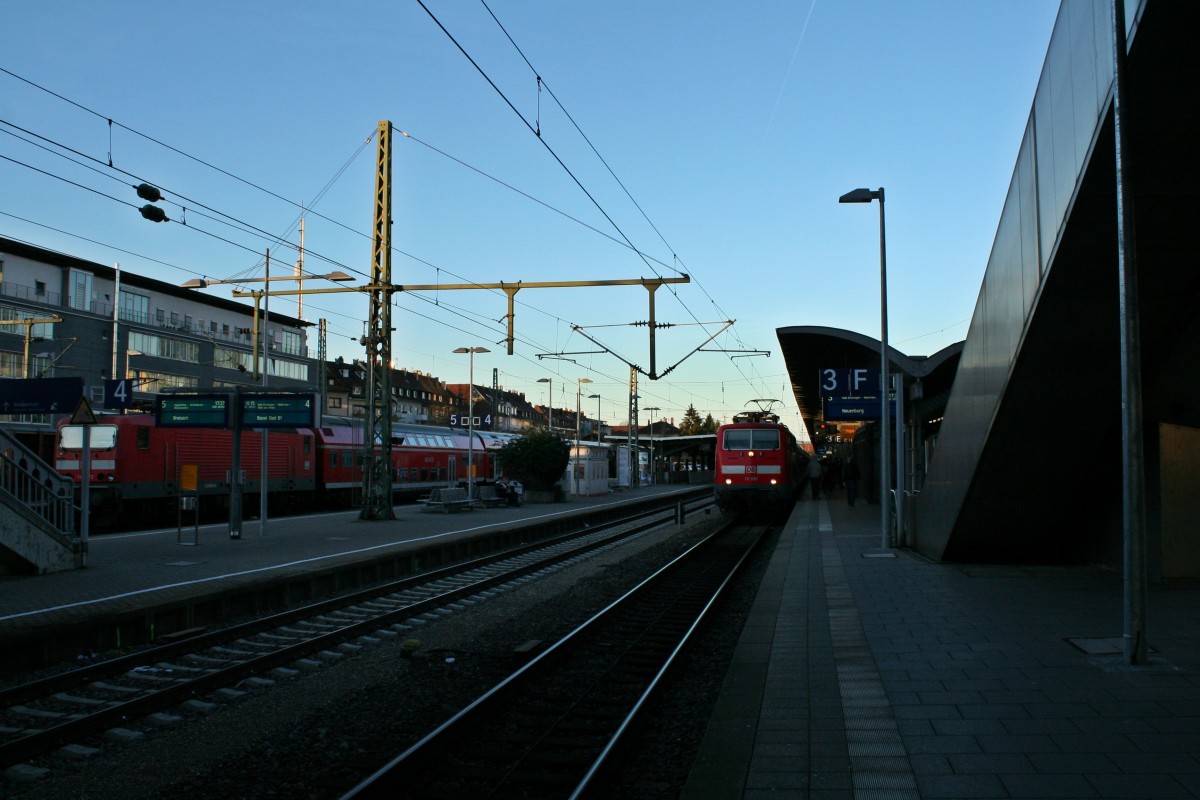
{"x":852,"y":394}
{"x":40,"y":395}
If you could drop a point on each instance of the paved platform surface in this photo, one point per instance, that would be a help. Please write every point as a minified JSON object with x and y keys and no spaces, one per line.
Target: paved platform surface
{"x":877,"y":674}
{"x":136,"y":570}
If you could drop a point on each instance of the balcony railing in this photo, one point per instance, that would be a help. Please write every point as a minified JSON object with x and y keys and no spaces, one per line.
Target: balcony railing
{"x":30,"y":294}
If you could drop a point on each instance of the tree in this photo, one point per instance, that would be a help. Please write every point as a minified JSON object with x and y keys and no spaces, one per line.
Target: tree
{"x":709,"y":426}
{"x":537,"y":459}
{"x":691,"y":423}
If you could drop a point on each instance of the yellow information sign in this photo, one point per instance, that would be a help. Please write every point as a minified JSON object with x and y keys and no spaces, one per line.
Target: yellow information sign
{"x":189,"y":477}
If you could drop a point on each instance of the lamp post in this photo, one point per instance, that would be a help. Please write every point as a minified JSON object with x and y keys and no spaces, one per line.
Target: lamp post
{"x":235,"y":488}
{"x":579,"y":382}
{"x":204,"y":283}
{"x":631,"y":439}
{"x":650,"y":433}
{"x":549,"y":405}
{"x":596,"y":397}
{"x":471,"y":418}
{"x":866,"y":196}
{"x":265,"y":479}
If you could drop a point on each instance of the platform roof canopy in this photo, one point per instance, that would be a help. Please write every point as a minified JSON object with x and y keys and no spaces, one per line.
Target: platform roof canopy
{"x":808,"y":349}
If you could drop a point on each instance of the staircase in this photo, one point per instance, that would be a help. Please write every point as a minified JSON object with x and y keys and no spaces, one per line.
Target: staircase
{"x":37,"y":514}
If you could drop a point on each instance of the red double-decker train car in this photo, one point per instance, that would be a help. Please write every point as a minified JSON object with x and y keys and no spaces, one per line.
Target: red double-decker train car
{"x":423,"y":457}
{"x":137,"y":466}
{"x":759,"y":466}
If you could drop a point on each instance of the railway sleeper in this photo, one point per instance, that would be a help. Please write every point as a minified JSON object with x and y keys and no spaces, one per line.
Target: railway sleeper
{"x":104,"y":686}
{"x":86,"y":702}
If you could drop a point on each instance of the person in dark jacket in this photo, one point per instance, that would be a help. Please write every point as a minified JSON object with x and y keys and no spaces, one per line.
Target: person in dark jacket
{"x":813,"y":472}
{"x":851,"y":475}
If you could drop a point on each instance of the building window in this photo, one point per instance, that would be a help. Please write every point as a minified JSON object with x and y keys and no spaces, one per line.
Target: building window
{"x":135,"y":307}
{"x":229,"y":358}
{"x":39,"y":287}
{"x":164,"y":346}
{"x":289,"y":369}
{"x":291,"y":343}
{"x":81,"y":290}
{"x":157,"y":381}
{"x":11,"y":365}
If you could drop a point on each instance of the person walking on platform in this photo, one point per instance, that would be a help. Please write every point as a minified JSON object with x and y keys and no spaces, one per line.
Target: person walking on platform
{"x":813,"y":472}
{"x":850,"y":476}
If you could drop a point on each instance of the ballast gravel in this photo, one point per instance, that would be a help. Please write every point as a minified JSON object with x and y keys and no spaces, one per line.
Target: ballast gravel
{"x":317,"y":733}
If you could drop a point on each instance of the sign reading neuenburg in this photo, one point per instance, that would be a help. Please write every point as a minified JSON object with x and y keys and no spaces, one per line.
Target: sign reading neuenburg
{"x":849,"y":395}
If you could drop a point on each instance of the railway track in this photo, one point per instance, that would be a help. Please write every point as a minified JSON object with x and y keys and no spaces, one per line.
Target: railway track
{"x":76,"y":712}
{"x":548,"y":730}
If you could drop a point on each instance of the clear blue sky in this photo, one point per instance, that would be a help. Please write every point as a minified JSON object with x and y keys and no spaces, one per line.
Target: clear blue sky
{"x":734,"y":127}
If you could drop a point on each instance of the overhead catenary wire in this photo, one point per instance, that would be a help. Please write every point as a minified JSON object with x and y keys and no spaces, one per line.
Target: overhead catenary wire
{"x":270,"y":237}
{"x":234,"y":222}
{"x":541,"y":83}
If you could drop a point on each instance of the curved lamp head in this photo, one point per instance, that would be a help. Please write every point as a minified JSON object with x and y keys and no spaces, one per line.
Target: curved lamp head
{"x":861,"y":196}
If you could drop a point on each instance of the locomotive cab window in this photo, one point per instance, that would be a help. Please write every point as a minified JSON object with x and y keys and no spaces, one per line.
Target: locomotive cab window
{"x":104,"y":437}
{"x":751,"y":439}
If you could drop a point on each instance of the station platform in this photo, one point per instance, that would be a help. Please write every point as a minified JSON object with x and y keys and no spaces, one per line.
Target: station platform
{"x":865,"y":672}
{"x":135,"y":575}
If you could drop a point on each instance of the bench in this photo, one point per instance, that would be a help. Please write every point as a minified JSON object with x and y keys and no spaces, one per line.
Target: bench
{"x":487,"y":496}
{"x":446,"y":500}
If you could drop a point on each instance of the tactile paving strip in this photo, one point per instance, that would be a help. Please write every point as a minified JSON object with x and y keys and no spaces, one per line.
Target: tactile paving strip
{"x":880,"y":765}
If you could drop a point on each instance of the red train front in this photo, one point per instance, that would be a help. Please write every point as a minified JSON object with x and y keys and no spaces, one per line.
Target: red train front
{"x":759,"y":466}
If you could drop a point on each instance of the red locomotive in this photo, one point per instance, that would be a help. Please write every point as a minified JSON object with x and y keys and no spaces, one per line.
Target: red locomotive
{"x":760,"y":467}
{"x":138,"y":476}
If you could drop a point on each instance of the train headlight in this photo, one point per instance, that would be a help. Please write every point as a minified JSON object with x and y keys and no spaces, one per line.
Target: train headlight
{"x":729,"y":481}
{"x":750,"y":453}
{"x":773,"y":481}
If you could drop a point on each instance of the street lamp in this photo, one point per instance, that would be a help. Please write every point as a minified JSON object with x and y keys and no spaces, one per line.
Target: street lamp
{"x":235,"y":490}
{"x":579,"y":382}
{"x":550,"y":405}
{"x":471,"y":418}
{"x":596,"y":397}
{"x":204,"y":283}
{"x":866,"y":196}
{"x":650,"y":433}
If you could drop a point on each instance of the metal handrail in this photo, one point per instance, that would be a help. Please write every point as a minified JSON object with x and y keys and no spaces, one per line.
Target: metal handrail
{"x":29,"y":481}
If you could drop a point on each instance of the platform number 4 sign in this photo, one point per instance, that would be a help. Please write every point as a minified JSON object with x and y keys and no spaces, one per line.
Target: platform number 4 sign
{"x":118,"y":394}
